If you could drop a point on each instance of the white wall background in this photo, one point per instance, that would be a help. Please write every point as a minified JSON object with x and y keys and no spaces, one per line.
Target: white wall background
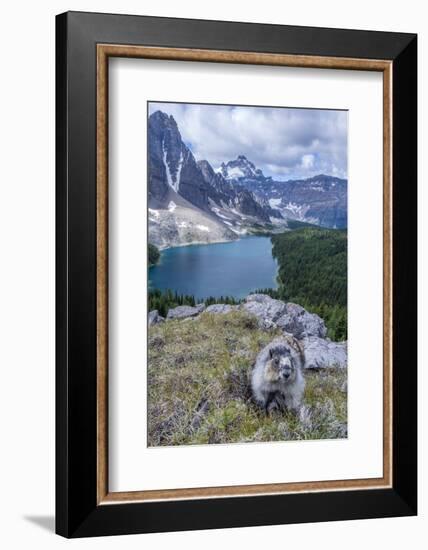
{"x":27,"y":271}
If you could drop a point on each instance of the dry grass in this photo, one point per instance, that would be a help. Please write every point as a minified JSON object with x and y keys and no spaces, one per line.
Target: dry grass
{"x":199,"y":387}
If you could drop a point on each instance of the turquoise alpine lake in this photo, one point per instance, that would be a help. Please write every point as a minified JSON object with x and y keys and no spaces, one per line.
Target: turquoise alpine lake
{"x":234,"y":268}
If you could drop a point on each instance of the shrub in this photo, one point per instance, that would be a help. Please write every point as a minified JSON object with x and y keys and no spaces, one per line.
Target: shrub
{"x":154,"y":254}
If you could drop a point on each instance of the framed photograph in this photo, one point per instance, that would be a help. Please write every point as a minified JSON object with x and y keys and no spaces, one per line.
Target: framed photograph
{"x":236,"y":274}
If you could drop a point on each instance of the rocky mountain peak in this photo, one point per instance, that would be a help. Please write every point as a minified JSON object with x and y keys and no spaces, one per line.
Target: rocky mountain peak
{"x":207,"y":170}
{"x":175,"y":174}
{"x":168,"y":140}
{"x":241,"y":169}
{"x":161,"y":116}
{"x":172,"y":166}
{"x":237,"y":196}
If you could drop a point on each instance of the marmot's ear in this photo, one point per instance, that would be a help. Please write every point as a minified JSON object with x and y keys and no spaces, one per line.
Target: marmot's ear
{"x":271,"y":353}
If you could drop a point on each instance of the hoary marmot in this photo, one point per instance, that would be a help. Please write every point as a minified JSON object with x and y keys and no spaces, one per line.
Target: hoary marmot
{"x":277,"y":380}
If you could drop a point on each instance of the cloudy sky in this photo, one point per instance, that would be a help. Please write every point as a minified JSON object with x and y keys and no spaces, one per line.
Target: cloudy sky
{"x":284,"y":143}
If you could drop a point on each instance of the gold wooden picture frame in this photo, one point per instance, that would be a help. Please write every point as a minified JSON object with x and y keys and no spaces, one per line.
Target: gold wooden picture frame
{"x":106,"y":51}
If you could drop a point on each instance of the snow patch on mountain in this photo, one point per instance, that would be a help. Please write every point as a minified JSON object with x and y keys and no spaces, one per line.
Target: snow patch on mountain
{"x":240,"y":168}
{"x":297,"y":209}
{"x":234,"y":173}
{"x":186,"y":225}
{"x":239,"y":231}
{"x":153,"y":213}
{"x":237,"y":198}
{"x":173,"y":181}
{"x":218,"y":213}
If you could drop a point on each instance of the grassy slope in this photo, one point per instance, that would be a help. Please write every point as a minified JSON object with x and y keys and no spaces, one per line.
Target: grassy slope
{"x":198,"y":380}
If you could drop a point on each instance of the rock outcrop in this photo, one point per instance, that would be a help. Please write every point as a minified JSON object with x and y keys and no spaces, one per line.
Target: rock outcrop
{"x":184,"y":312}
{"x":308,"y":328}
{"x":221,"y":308}
{"x":290,"y":317}
{"x":266,"y":309}
{"x":154,"y":318}
{"x":322,"y":353}
{"x":300,"y":323}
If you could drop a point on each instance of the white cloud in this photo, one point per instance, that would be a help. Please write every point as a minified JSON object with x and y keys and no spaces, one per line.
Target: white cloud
{"x":284,"y":143}
{"x":308,"y":161}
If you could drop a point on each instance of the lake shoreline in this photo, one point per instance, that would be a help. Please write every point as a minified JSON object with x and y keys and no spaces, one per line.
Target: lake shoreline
{"x":197,"y":243}
{"x":224,"y":241}
{"x":227,"y":268}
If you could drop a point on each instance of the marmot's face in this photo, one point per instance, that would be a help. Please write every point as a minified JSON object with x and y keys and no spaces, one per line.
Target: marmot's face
{"x":283,"y":364}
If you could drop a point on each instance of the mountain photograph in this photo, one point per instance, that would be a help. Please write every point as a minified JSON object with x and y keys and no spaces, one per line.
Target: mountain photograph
{"x":192,"y":202}
{"x":247,"y":273}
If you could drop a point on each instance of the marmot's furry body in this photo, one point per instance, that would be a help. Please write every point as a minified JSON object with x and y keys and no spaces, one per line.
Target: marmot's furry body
{"x":277,"y":380}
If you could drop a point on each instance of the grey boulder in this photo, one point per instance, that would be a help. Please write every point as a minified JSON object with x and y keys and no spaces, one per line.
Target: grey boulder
{"x":154,"y":318}
{"x":220,"y":308}
{"x":322,"y":353}
{"x":266,"y":309}
{"x":300,"y":323}
{"x":291,"y":318}
{"x":183,"y":312}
